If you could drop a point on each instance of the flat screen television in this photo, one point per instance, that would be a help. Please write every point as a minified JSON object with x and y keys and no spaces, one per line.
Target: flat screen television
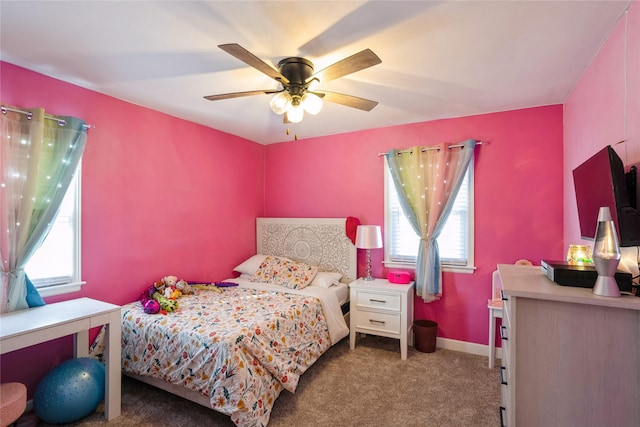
{"x":601,"y":181}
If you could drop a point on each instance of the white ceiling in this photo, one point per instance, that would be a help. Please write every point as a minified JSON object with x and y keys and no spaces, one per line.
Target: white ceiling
{"x":439,"y":58}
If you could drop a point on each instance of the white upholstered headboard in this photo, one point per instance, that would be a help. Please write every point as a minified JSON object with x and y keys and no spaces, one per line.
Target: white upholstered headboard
{"x":318,"y":241}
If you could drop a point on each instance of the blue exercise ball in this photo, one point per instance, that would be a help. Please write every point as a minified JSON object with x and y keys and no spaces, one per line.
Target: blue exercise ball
{"x":71,"y":391}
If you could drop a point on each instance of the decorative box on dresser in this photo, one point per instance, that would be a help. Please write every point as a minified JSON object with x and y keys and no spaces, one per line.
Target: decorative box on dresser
{"x":569,"y":357}
{"x":381,"y":308}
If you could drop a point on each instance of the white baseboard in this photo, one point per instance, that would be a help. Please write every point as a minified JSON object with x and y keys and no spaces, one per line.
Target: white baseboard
{"x":466,"y":347}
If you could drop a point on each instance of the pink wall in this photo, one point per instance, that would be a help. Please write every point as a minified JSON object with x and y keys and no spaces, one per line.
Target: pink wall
{"x":153,"y":185}
{"x":518,"y":196}
{"x":156,"y":200}
{"x":603,"y":109}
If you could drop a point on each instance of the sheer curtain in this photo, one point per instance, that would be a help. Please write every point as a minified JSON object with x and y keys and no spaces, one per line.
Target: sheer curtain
{"x":38,"y":157}
{"x":427,"y":180}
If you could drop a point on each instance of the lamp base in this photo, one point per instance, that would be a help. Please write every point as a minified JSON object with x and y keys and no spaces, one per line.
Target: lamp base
{"x":368,"y":277}
{"x":606,"y":286}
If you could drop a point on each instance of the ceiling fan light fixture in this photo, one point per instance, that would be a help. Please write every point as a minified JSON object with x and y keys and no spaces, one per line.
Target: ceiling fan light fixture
{"x":312,"y":103}
{"x":313,"y":84}
{"x":295,"y":112}
{"x":281,"y":102}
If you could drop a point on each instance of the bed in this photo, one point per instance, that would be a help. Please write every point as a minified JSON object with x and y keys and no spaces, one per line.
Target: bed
{"x":236,"y":350}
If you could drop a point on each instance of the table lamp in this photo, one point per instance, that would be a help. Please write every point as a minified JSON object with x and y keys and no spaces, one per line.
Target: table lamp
{"x":579,"y":254}
{"x":368,"y":237}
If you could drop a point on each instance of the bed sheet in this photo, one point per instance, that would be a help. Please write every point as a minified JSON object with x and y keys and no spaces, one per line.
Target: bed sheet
{"x":338,"y":328}
{"x":240,"y":347}
{"x":342,"y":292}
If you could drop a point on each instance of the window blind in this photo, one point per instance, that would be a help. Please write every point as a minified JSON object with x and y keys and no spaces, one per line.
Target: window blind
{"x":402,"y":241}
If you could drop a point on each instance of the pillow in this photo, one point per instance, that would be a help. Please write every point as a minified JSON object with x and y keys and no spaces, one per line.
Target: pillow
{"x":251,"y":265}
{"x":325,"y":279}
{"x":285,"y":272}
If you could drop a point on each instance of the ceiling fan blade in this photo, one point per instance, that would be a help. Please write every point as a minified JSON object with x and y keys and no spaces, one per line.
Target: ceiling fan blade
{"x":348,"y":100}
{"x":250,"y":59}
{"x":356,"y":62}
{"x":240,"y":94}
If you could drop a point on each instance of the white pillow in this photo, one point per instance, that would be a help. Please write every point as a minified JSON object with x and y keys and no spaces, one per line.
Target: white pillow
{"x":325,"y":279}
{"x":251,"y":265}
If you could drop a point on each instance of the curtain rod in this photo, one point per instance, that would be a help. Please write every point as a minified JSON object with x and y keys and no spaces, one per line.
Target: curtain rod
{"x":437,"y":148}
{"x":46,"y":116}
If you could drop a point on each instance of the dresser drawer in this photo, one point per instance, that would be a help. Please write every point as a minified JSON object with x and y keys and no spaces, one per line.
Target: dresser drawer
{"x":504,"y":375}
{"x":379,"y":322}
{"x":506,"y":348}
{"x":506,"y":310}
{"x":506,"y":316}
{"x":369,"y":299}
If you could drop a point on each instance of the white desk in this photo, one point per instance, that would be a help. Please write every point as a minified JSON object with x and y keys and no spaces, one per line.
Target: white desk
{"x":24,"y":328}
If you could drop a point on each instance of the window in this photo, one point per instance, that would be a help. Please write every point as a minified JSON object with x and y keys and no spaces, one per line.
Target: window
{"x":55,"y":267}
{"x":455,"y":241}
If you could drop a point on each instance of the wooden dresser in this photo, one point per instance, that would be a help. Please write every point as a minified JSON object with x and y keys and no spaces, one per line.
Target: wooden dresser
{"x":570,"y":358}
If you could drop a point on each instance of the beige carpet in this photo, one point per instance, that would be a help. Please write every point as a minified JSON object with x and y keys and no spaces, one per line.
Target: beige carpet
{"x":369,"y":386}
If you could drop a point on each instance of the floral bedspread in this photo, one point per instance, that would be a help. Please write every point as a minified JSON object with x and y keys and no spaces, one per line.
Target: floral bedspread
{"x":240,"y":347}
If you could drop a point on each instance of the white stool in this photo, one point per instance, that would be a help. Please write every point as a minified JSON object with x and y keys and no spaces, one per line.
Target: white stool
{"x":495,"y":311}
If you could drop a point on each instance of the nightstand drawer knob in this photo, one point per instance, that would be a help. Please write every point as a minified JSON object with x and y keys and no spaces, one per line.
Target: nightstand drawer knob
{"x":381,"y":322}
{"x":378,"y":300}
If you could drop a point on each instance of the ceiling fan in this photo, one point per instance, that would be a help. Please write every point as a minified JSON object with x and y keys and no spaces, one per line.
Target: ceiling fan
{"x":297,"y":91}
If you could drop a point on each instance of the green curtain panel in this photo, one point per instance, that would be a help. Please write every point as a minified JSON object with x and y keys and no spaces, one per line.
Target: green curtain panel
{"x":427,"y":180}
{"x":39,"y":155}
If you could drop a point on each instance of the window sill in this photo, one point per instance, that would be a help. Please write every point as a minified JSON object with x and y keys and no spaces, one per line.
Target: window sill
{"x":445,"y":268}
{"x":459,"y":269}
{"x":67,"y":288}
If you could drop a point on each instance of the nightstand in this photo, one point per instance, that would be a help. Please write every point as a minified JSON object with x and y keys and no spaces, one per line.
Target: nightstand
{"x":381,"y":308}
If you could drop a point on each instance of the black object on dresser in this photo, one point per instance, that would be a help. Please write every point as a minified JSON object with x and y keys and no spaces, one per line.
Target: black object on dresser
{"x":580,"y":276}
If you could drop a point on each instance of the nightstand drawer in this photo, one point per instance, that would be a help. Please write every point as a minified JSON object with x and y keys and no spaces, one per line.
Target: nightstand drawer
{"x":380,"y":322}
{"x":367,"y":299}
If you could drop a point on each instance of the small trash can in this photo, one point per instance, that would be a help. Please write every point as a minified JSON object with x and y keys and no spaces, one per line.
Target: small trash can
{"x":425,"y":332}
